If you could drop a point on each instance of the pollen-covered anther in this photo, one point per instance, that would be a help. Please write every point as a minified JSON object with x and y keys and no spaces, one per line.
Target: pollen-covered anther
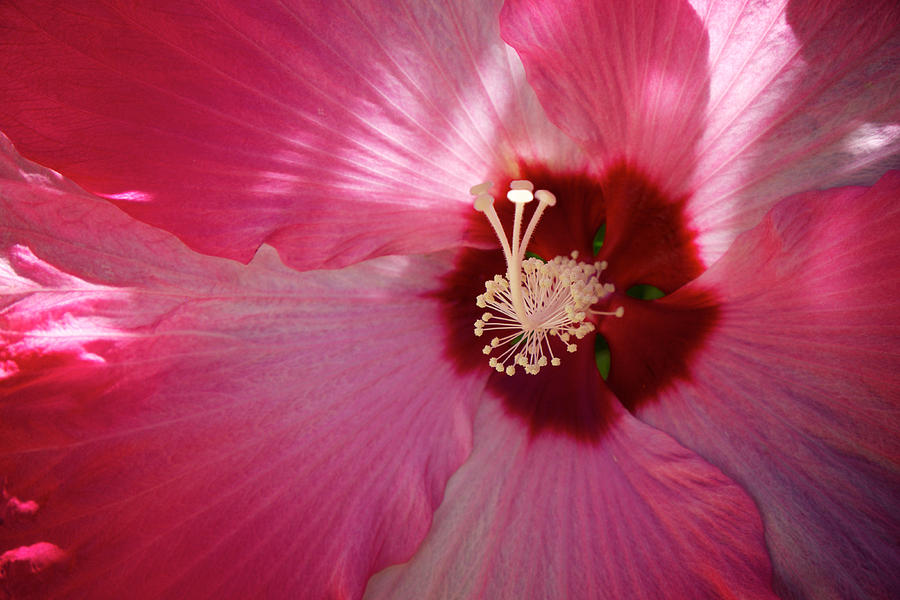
{"x":536,"y":301}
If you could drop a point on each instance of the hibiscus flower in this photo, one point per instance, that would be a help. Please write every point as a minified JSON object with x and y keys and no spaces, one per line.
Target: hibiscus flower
{"x":240,"y":266}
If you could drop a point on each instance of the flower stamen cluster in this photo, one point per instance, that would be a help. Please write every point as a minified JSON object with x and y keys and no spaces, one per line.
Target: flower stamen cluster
{"x":536,"y":300}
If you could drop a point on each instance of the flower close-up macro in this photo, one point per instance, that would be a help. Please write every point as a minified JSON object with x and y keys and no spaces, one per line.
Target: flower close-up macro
{"x":450,"y":299}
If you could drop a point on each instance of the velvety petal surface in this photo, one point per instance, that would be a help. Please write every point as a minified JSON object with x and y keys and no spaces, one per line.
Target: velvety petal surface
{"x":630,"y":515}
{"x":174,"y":425}
{"x":736,"y":104}
{"x":332,"y":131}
{"x":796,"y":394}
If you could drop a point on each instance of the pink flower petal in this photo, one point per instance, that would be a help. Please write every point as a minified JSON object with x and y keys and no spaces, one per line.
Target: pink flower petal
{"x":629,"y":79}
{"x":332,"y":131}
{"x":192,"y":427}
{"x":633,"y":515}
{"x":737,"y":103}
{"x":795,"y":395}
{"x":803,"y":95}
{"x":25,"y":570}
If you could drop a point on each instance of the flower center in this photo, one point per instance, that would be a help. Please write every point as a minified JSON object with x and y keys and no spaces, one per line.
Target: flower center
{"x":537,"y":300}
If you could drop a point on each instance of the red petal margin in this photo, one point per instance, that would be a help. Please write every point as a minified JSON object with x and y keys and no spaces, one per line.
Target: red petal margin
{"x":796,"y":394}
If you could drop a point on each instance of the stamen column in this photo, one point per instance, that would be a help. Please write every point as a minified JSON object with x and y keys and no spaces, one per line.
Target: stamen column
{"x":537,"y":300}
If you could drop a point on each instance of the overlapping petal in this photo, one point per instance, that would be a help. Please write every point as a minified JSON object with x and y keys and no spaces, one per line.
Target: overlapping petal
{"x":632,"y":515}
{"x":185,"y":426}
{"x":333,"y":131}
{"x":628,"y":79}
{"x":795,"y":392}
{"x":735,"y":104}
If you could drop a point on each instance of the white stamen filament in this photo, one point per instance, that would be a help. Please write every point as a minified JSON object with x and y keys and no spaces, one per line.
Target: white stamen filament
{"x":536,"y":300}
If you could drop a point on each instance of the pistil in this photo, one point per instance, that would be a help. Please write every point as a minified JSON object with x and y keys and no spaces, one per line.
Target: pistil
{"x":537,"y":300}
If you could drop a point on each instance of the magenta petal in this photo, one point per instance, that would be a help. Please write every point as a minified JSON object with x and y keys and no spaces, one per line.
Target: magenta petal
{"x":183,"y":426}
{"x":333,"y":131}
{"x":634,"y":515}
{"x":803,"y":95}
{"x":795,"y":395}
{"x":629,"y":79}
{"x":25,"y":571}
{"x":737,"y":104}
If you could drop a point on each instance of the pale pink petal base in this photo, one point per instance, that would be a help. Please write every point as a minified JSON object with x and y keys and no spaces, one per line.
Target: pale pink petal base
{"x":634,"y":515}
{"x":333,"y":131}
{"x":181,"y":426}
{"x":795,"y":395}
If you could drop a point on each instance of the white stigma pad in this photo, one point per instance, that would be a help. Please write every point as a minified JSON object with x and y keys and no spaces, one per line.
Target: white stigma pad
{"x":522,"y":196}
{"x":537,"y":300}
